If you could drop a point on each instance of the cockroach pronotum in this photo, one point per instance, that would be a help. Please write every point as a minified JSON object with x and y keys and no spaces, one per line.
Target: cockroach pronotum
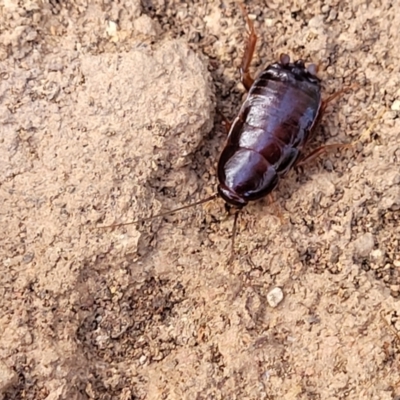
{"x":268,"y":136}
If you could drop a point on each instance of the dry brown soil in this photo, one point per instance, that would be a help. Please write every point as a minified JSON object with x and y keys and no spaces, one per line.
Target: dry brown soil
{"x":108,"y":114}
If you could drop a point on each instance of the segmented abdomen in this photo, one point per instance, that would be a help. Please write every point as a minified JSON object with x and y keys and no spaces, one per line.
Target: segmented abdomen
{"x":268,"y":134}
{"x":277,"y":118}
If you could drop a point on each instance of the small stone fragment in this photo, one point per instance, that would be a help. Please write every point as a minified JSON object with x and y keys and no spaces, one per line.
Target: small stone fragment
{"x":364,"y":245}
{"x":378,"y":256}
{"x":142,"y":359}
{"x":274,"y":297}
{"x":112,"y":28}
{"x":395,"y":105}
{"x":28,"y":257}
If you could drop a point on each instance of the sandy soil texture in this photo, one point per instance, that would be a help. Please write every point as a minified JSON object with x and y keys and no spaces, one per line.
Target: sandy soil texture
{"x":108,"y":113}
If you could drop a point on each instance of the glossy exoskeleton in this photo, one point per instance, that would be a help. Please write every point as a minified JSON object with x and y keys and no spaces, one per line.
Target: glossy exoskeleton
{"x":268,"y":135}
{"x":275,"y":122}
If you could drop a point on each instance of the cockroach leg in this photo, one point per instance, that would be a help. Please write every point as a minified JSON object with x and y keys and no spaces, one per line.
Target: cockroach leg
{"x":332,"y":97}
{"x":245,"y":76}
{"x":321,"y":150}
{"x":335,"y":95}
{"x":334,"y":146}
{"x":226,"y":121}
{"x":323,"y":107}
{"x":231,"y":258}
{"x":277,"y":210}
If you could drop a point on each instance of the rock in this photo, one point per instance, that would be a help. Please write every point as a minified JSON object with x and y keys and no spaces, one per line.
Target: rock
{"x":395,"y":105}
{"x":364,"y":245}
{"x":274,"y":297}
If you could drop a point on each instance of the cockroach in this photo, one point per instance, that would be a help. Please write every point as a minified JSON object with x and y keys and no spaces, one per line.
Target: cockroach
{"x":269,"y":135}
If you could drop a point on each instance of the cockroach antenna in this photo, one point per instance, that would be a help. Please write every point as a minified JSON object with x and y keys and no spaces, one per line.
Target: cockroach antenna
{"x":164,"y":214}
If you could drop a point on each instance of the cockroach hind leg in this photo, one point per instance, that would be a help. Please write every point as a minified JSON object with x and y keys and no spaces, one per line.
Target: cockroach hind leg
{"x":276,"y":209}
{"x":234,"y":230}
{"x":225,"y":120}
{"x":337,"y":94}
{"x":245,"y":75}
{"x":322,"y":150}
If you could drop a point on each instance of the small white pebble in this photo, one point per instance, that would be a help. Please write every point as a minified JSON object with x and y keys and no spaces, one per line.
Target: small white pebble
{"x":112,"y":28}
{"x":395,"y":105}
{"x":325,"y":9}
{"x":377,"y":255}
{"x":274,"y":297}
{"x":142,"y":359}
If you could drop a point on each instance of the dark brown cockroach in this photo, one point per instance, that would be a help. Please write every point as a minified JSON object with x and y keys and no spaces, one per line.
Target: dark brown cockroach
{"x":268,"y":137}
{"x":276,"y":121}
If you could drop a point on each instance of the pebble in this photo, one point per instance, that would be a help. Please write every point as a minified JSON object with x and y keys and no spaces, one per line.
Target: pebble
{"x":378,"y":256}
{"x":28,"y":257}
{"x":364,"y":245}
{"x":142,"y":359}
{"x":274,"y":297}
{"x":395,"y":105}
{"x":112,"y":28}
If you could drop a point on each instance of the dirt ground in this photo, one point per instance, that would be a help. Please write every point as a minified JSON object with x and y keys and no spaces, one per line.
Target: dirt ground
{"x":108,"y":114}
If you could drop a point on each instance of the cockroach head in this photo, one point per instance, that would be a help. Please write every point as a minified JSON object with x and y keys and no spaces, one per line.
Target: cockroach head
{"x":232,"y":200}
